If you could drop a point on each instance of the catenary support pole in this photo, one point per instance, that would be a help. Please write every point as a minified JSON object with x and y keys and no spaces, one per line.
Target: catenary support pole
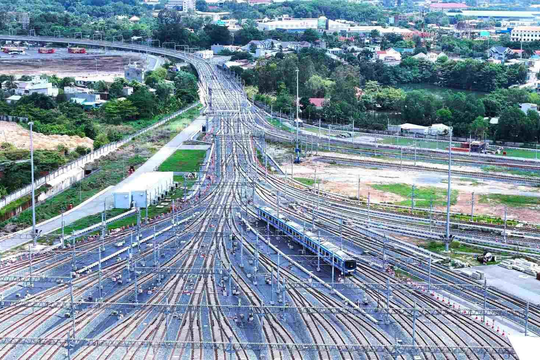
{"x":448,"y":195}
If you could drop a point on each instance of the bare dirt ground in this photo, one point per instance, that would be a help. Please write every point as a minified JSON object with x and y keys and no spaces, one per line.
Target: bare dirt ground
{"x":343,"y":179}
{"x":62,"y":67}
{"x":19,"y":137}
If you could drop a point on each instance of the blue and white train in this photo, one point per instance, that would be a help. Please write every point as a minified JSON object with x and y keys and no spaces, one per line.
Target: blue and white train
{"x":309,"y":240}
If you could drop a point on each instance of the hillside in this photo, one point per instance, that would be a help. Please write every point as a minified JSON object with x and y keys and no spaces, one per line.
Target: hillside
{"x":18,"y":136}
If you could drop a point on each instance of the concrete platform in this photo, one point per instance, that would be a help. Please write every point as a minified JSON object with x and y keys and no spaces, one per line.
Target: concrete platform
{"x":194,"y":147}
{"x":513,"y":282}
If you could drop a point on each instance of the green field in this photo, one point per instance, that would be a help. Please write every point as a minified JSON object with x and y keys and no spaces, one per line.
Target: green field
{"x":528,"y":154}
{"x":305,"y":181}
{"x":425,"y":144}
{"x":279,"y":125}
{"x":422,"y":195}
{"x":184,"y":161}
{"x":511,"y":200}
{"x":517,"y":172}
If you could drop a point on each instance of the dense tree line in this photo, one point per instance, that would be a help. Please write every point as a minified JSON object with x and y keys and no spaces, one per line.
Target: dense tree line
{"x":66,"y":18}
{"x":465,"y":75}
{"x":361,"y":92}
{"x":332,"y":9}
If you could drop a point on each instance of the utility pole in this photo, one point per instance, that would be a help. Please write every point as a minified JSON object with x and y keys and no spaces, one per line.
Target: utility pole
{"x":33,"y":186}
{"x":448,"y":195}
{"x":472,"y":206}
{"x":505,"y":216}
{"x":412,"y":199}
{"x":297,"y":150}
{"x":358,"y":190}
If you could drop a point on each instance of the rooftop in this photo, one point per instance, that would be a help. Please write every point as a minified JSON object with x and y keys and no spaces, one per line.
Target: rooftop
{"x":448,"y":6}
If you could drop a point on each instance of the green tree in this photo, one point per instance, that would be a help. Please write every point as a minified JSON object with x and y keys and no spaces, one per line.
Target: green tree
{"x":511,"y":124}
{"x":100,"y":141}
{"x":145,"y":102}
{"x":479,"y":126}
{"x":117,"y":111}
{"x":444,"y":116}
{"x":310,"y":35}
{"x":116,"y":89}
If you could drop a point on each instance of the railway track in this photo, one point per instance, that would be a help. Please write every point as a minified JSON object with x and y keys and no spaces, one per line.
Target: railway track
{"x":390,"y":165}
{"x":241,"y":185}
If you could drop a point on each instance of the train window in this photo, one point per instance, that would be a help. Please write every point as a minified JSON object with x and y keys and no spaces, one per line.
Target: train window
{"x":350,"y":264}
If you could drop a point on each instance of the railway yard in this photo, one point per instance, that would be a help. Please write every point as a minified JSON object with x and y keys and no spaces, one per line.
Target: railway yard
{"x":255,"y":264}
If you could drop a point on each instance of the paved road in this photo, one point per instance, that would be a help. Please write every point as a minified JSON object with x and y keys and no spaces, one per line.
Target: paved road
{"x":96,"y":205}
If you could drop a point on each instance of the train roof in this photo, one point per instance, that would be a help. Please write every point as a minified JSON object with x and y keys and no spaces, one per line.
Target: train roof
{"x":335,"y":249}
{"x":295,"y":226}
{"x":273,"y":212}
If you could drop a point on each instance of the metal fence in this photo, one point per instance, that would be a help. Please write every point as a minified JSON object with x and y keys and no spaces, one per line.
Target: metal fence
{"x":83,"y":160}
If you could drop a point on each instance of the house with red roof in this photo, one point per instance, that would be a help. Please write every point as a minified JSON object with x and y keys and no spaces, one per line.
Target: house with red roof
{"x":317,"y":102}
{"x":388,"y":55}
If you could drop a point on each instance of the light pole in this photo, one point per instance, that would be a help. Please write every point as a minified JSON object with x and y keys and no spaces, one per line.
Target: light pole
{"x":297,"y":98}
{"x":448,"y":196}
{"x":33,"y":185}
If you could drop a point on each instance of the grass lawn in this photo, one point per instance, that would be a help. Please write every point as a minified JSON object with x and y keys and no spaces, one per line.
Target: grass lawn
{"x":528,"y":154}
{"x":438,"y":247}
{"x":517,"y":172}
{"x":401,"y":141}
{"x":279,"y":125}
{"x":305,"y":181}
{"x":422,"y":195}
{"x":511,"y":200}
{"x":184,"y":161}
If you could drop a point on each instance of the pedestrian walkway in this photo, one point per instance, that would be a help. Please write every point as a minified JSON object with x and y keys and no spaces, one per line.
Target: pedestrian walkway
{"x":97,"y":204}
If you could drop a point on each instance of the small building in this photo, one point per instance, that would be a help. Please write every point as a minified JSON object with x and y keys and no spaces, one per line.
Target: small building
{"x":147,"y":189}
{"x":447,"y":6}
{"x":134,"y":72}
{"x":88,"y":104}
{"x":36,"y":85}
{"x":438,"y":129}
{"x":13,"y":99}
{"x":388,"y":55}
{"x":317,"y":102}
{"x":205,"y":54}
{"x":525,"y":107}
{"x":86,"y":94}
{"x":409,"y":129}
{"x":134,"y":19}
{"x":216,"y":49}
{"x":335,"y":51}
{"x":127,"y":90}
{"x":499,"y":53}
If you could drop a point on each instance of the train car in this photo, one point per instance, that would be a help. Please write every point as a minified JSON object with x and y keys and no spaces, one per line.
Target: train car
{"x":329,"y":252}
{"x":76,"y":50}
{"x":46,"y":50}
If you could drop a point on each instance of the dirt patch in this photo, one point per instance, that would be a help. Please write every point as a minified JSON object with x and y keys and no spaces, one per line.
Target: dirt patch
{"x":19,"y":137}
{"x":343,"y":179}
{"x":63,"y":66}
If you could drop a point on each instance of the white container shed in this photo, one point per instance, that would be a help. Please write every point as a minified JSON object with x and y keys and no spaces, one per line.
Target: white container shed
{"x":144,"y":190}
